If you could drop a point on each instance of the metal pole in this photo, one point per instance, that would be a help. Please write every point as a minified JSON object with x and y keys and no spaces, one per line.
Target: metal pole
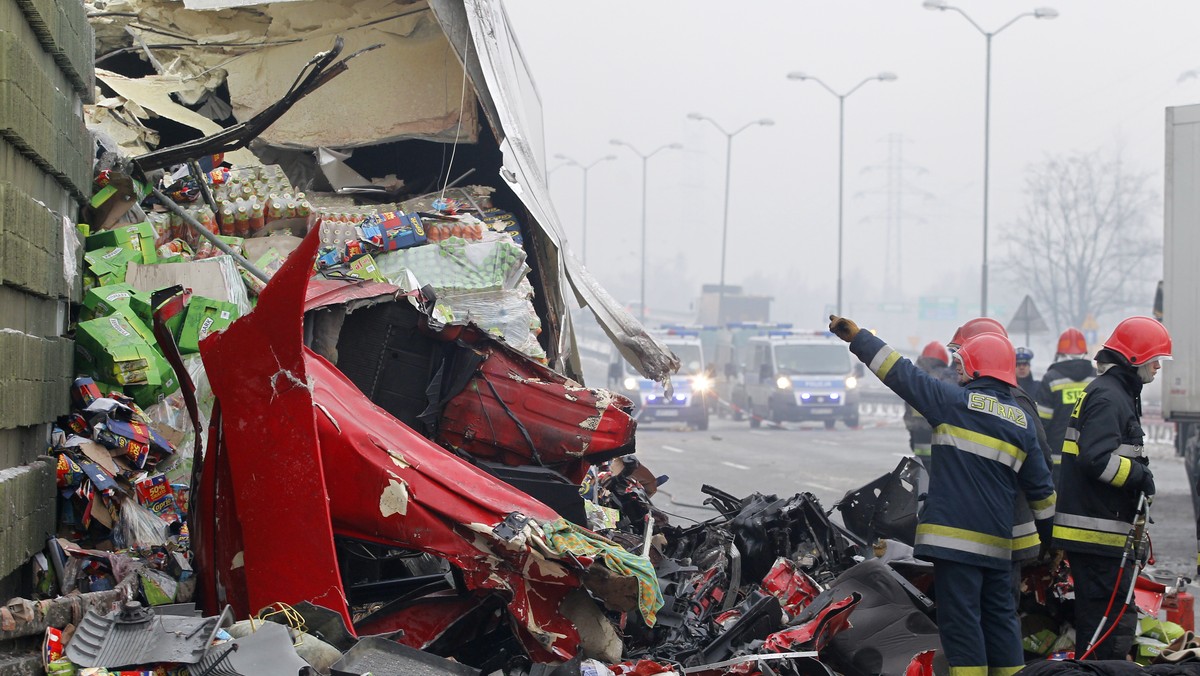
{"x":584,"y":235}
{"x":642,"y":312}
{"x":841,"y":177}
{"x":987,"y":125}
{"x":724,"y":229}
{"x":204,"y":232}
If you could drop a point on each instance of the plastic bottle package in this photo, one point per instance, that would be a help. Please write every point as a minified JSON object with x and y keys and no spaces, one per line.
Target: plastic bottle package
{"x":456,"y":264}
{"x":140,"y":527}
{"x":507,"y":315}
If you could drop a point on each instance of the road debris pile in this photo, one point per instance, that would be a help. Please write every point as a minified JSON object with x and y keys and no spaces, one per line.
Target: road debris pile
{"x":456,"y":503}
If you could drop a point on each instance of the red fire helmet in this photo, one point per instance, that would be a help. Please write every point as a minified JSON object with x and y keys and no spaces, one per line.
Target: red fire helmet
{"x":975,"y":327}
{"x":1072,"y":342}
{"x":988,"y":354}
{"x":1140,"y":340}
{"x":935,"y":350}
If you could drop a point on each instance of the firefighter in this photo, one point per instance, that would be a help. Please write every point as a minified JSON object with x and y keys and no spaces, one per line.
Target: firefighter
{"x":984,"y":453}
{"x":1102,"y":474}
{"x":1060,"y":389}
{"x":935,"y":361}
{"x":1025,"y":379}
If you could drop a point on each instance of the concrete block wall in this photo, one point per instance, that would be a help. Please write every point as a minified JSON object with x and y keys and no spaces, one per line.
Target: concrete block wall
{"x":46,"y":75}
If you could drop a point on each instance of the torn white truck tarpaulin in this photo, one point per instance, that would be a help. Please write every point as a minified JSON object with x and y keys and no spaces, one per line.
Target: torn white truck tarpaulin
{"x":518,"y":110}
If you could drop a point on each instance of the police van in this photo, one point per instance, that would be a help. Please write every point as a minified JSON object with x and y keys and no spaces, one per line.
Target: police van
{"x":691,"y":385}
{"x":798,"y":376}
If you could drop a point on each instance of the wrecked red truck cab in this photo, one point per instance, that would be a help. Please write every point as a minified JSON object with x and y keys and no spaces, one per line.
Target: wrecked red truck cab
{"x":300,"y":460}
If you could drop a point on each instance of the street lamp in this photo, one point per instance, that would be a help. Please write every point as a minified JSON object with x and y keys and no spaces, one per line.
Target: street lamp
{"x":645,"y":157}
{"x":882,"y":77}
{"x":725,"y":222}
{"x":1040,"y":13}
{"x":585,"y":168}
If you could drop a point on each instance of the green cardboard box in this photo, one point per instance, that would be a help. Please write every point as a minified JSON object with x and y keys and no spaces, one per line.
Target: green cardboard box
{"x":106,"y":266}
{"x":138,"y":237}
{"x":102,"y":301}
{"x":364,"y":267}
{"x":140,"y":304}
{"x":111,"y":350}
{"x":204,"y":316}
{"x":149,"y":394}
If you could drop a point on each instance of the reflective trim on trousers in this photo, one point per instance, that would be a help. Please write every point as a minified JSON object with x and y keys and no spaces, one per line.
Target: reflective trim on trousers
{"x":964,"y":540}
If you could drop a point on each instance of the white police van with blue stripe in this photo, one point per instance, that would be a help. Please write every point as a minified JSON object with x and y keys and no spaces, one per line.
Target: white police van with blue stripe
{"x":799,"y":376}
{"x":691,"y":386}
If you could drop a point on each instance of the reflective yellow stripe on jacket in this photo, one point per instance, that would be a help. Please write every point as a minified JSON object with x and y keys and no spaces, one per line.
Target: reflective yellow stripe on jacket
{"x":979,"y":444}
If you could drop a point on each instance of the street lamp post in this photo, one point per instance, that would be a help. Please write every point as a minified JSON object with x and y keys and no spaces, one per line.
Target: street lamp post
{"x":584,"y":168}
{"x":1040,"y":13}
{"x":725,"y":221}
{"x":882,"y":77}
{"x":645,"y":158}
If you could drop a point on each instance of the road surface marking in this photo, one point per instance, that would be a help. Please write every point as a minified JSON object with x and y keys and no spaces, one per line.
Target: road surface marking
{"x":672,"y":449}
{"x":825,"y":442}
{"x":762,"y":433}
{"x":819,"y":486}
{"x":733,"y":465}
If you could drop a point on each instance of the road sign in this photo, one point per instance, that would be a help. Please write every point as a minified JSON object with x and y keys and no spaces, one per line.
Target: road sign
{"x":938,"y":308}
{"x":1027,"y":320}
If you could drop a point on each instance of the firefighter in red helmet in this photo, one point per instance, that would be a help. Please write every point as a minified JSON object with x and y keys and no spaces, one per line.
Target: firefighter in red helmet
{"x":1060,"y":388}
{"x":1103,"y":472}
{"x":984,"y":453}
{"x":935,"y":361}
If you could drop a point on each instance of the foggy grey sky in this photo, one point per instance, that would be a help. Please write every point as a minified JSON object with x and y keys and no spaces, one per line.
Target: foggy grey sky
{"x":1097,"y":77}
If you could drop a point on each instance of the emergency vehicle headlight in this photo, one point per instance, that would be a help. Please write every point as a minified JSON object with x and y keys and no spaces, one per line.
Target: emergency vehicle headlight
{"x":701,"y":383}
{"x":783,"y":382}
{"x":630,"y":383}
{"x":851,"y":382}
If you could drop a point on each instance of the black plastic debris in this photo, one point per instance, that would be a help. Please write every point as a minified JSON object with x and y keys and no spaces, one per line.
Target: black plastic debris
{"x":886,"y":507}
{"x":888,"y":627}
{"x":381,"y":657}
{"x":267,"y":652}
{"x":136,"y":635}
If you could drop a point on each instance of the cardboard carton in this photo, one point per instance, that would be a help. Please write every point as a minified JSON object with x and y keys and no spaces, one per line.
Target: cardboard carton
{"x":102,"y":301}
{"x":204,"y":316}
{"x":138,"y":237}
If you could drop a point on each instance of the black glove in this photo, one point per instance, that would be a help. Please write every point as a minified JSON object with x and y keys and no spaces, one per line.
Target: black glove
{"x":1147,"y":483}
{"x":843,"y":328}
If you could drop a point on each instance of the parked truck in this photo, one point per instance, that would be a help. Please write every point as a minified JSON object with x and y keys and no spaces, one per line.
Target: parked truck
{"x":1180,"y":302}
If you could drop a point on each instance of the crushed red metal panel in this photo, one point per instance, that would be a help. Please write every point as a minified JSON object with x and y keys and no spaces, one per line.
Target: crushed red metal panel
{"x":342,"y":466}
{"x":325,"y":292}
{"x":516,"y":411}
{"x":256,"y":369}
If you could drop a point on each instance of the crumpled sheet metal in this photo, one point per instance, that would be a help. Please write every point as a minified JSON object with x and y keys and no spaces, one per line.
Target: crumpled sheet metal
{"x":571,"y":427}
{"x":134,"y":635}
{"x":310,"y":457}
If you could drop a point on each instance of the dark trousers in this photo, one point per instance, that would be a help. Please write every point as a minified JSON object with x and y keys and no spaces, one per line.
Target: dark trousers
{"x":977,"y":618}
{"x":1094,"y":578}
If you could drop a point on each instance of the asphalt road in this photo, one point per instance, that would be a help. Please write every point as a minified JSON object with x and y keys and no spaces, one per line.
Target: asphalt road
{"x":828,"y":463}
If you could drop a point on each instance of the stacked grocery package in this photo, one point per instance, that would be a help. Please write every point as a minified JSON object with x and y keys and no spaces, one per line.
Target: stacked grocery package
{"x":46,"y":74}
{"x":456,"y":241}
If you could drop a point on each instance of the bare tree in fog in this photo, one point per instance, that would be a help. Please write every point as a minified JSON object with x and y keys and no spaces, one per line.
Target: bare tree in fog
{"x":1084,"y":244}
